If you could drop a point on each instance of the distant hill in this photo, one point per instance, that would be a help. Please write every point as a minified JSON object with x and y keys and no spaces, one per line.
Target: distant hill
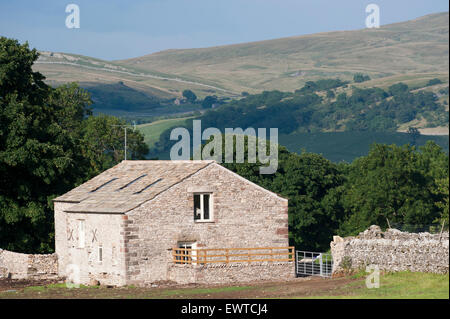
{"x":413,"y":52}
{"x":408,"y":51}
{"x":65,"y":67}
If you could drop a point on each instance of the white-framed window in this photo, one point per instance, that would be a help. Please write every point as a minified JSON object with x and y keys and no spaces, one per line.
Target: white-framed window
{"x":203,"y":207}
{"x":189,"y":256}
{"x":81,"y":233}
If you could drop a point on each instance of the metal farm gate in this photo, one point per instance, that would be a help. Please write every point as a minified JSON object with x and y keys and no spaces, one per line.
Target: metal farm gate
{"x":309,"y":263}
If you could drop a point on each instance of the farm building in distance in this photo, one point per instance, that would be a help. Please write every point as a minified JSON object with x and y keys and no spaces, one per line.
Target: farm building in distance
{"x":186,"y":221}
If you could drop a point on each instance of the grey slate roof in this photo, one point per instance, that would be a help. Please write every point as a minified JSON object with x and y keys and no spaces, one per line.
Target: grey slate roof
{"x":128,"y":185}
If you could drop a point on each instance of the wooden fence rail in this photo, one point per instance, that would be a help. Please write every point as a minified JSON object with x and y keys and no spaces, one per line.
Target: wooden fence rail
{"x":230,"y":255}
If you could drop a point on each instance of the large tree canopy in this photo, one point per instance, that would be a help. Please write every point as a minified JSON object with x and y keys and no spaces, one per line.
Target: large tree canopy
{"x":36,"y":153}
{"x":395,"y":185}
{"x":46,"y":148}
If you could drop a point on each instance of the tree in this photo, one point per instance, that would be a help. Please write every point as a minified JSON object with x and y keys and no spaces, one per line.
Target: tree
{"x":103,"y":143}
{"x":434,"y":164}
{"x":190,"y":96}
{"x":414,"y":133}
{"x":36,"y":152}
{"x":434,"y":82}
{"x":391,"y":183}
{"x":209,"y":101}
{"x":359,"y":77}
{"x":442,"y":191}
{"x":312,"y":185}
{"x":398,"y":88}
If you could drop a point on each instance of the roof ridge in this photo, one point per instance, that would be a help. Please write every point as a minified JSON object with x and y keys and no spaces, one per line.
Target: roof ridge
{"x":173,"y":161}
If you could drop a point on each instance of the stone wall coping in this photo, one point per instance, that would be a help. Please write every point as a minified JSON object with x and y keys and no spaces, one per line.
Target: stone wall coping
{"x":231,"y":265}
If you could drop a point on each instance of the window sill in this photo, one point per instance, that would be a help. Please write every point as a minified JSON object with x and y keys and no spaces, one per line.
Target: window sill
{"x":203,"y":221}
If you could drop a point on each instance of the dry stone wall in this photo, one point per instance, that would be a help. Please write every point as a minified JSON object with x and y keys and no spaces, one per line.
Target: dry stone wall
{"x":230,"y":273}
{"x":392,"y":250}
{"x":27,"y":266}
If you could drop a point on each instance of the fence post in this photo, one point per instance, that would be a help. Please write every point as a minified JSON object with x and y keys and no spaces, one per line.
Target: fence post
{"x":320,"y":260}
{"x":296,"y":262}
{"x":227,"y":253}
{"x":304,"y":264}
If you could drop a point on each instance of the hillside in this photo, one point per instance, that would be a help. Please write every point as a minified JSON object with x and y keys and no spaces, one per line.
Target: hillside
{"x":334,"y":118}
{"x":408,"y":51}
{"x":121,"y":90}
{"x":412,"y":51}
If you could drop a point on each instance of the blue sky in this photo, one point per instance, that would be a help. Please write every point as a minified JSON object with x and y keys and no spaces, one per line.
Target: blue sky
{"x":119,"y":29}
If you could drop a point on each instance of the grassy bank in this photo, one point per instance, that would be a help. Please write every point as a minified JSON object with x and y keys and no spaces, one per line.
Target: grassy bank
{"x":401,"y":285}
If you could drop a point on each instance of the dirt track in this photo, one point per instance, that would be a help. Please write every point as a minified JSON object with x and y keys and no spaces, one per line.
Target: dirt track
{"x":299,"y":287}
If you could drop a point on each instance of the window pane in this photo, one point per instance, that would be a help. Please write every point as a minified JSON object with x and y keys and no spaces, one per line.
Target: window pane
{"x":185,"y":254}
{"x":196,"y":206}
{"x":206,"y":206}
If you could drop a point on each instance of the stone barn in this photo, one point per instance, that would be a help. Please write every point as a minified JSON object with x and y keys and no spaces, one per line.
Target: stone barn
{"x":142,"y":222}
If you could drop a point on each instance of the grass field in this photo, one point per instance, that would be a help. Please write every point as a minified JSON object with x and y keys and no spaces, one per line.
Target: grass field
{"x":153,"y":130}
{"x":402,"y":285}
